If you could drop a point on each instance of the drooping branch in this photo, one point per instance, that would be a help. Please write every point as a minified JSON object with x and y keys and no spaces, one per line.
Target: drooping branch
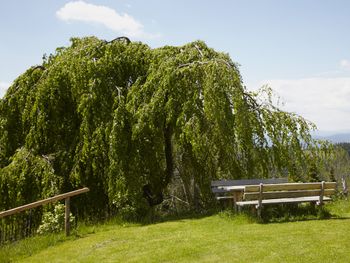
{"x":251,"y":100}
{"x":39,"y":67}
{"x":127,"y":40}
{"x":168,"y":149}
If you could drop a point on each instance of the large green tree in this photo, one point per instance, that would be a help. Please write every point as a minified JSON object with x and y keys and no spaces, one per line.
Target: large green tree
{"x":122,"y":119}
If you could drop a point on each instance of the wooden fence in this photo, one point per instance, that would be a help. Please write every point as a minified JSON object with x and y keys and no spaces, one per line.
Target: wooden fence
{"x":65,"y":196}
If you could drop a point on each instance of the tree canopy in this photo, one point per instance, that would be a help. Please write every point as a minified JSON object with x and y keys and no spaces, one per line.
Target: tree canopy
{"x":123,"y":119}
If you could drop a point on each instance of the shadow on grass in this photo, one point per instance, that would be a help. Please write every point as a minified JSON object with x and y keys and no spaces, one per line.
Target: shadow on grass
{"x":154,"y":218}
{"x":305,"y":219}
{"x":295,"y":213}
{"x":280,"y":213}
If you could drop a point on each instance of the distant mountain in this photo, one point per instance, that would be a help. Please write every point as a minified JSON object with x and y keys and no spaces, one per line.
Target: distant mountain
{"x":335,"y":138}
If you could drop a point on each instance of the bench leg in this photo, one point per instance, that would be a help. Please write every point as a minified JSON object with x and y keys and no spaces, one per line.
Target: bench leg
{"x":231,"y":203}
{"x":258,"y":210}
{"x":234,"y":201}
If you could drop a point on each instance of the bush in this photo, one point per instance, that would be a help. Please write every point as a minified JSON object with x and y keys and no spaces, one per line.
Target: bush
{"x":53,"y":222}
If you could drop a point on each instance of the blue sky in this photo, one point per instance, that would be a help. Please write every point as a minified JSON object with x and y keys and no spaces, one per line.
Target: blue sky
{"x":301,"y":48}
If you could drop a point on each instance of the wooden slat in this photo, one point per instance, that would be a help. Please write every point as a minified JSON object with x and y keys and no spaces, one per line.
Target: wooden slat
{"x":287,"y":194}
{"x":43,"y":202}
{"x":219,"y":190}
{"x":224,"y":197}
{"x":283,"y":201}
{"x":248,"y":182}
{"x":290,"y":186}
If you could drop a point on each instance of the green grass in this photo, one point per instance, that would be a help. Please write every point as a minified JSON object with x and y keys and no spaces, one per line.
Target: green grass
{"x":217,"y":238}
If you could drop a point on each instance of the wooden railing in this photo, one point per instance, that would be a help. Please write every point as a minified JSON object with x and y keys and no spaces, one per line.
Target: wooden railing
{"x":65,"y":196}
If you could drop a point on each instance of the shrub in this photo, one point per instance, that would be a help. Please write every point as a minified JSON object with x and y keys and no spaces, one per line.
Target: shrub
{"x":53,"y":222}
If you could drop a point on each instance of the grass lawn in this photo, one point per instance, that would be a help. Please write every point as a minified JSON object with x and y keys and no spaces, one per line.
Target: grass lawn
{"x":216,"y":238}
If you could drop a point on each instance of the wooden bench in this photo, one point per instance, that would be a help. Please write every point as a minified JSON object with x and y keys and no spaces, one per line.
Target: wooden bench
{"x":232,"y":190}
{"x":265,"y":194}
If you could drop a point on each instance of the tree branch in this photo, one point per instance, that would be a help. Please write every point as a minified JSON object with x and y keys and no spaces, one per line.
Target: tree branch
{"x":229,"y":65}
{"x":127,"y":40}
{"x":38,"y":67}
{"x":200,"y":52}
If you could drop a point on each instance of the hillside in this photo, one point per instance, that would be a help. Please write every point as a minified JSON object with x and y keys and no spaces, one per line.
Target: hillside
{"x":335,"y":138}
{"x":216,"y":238}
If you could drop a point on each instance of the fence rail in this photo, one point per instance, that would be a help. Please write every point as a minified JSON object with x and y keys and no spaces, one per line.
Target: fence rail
{"x":26,"y":207}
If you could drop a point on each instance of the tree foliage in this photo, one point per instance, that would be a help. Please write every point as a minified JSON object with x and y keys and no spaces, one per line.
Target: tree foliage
{"x":122,"y":119}
{"x":345,"y":146}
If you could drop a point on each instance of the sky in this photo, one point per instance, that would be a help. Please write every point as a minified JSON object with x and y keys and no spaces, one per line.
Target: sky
{"x":300,"y":48}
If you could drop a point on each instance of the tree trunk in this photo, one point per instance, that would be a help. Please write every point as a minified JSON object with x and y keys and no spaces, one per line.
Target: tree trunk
{"x":195,"y":194}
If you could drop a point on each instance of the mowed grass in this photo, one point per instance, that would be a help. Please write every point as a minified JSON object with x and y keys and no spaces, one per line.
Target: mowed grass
{"x":215,"y":238}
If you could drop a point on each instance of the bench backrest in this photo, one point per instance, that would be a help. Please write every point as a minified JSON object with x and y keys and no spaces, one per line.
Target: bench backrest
{"x":288,"y":190}
{"x":215,"y":185}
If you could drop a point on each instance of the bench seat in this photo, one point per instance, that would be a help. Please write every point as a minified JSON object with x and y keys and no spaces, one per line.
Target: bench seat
{"x":224,"y":197}
{"x":284,"y":200}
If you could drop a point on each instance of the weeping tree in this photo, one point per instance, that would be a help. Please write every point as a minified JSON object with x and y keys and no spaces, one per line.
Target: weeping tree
{"x":122,"y":119}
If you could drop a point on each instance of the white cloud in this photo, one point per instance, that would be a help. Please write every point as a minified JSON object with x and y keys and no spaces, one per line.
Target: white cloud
{"x":324,"y":101}
{"x":3,"y":88}
{"x":345,"y":64}
{"x":106,"y":16}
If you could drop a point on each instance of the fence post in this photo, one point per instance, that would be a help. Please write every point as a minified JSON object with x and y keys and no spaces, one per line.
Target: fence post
{"x":66,"y":216}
